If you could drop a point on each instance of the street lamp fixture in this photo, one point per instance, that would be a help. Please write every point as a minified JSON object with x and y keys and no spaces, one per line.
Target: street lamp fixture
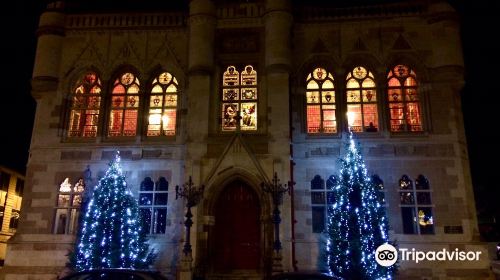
{"x":192,"y":194}
{"x":276,"y":189}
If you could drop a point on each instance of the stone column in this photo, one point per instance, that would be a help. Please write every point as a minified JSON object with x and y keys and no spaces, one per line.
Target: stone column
{"x":278,"y":22}
{"x":202,"y":23}
{"x":447,"y":82}
{"x":46,"y":68}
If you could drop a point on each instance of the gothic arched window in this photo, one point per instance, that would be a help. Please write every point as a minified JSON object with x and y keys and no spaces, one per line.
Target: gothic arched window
{"x":362,"y":100}
{"x":153,"y":199}
{"x":321,"y":198}
{"x":163,"y":105}
{"x":320,"y":100}
{"x":416,"y":205}
{"x":125,"y":97}
{"x":239,"y":97}
{"x":404,"y":102}
{"x":69,"y":200}
{"x":85,"y":106}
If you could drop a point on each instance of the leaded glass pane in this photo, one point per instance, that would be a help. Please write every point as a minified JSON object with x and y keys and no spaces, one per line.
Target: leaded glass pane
{"x":352,"y":83}
{"x":229,"y":111}
{"x":421,"y":183}
{"x":249,"y":76}
{"x":369,"y":95}
{"x":317,"y":197}
{"x":319,"y":74}
{"x":231,"y":77}
{"x":145,"y":215}
{"x":146,"y":199}
{"x":409,"y":220}
{"x":328,"y":97}
{"x":161,"y":198}
{"x":318,"y":219}
{"x":171,"y":88}
{"x":424,"y":198}
{"x":162,"y":184}
{"x":248,"y":94}
{"x":313,"y":119}
{"x":312,"y":85}
{"x":147,"y":184}
{"x":63,"y":200}
{"x":407,"y":198}
{"x":327,"y":84}
{"x":164,"y":78}
{"x":230,"y":94}
{"x":248,"y":116}
{"x":405,"y":183}
{"x":160,"y":220}
{"x":370,"y":117}
{"x":425,"y":220}
{"x":312,"y":97}
{"x":157,"y":89}
{"x":317,"y":183}
{"x":368,"y":83}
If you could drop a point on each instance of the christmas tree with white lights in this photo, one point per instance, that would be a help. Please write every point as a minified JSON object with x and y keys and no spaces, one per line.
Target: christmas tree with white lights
{"x":356,"y":222}
{"x":111,"y":235}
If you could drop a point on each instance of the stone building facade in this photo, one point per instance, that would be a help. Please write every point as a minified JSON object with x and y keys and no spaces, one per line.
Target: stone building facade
{"x":11,"y":197}
{"x":231,"y":93}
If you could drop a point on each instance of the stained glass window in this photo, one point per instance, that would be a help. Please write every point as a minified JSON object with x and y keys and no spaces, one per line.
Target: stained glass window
{"x":321,"y":197}
{"x":320,"y":100}
{"x":362,"y":100}
{"x":124,"y":106}
{"x":416,"y":205}
{"x":239,"y":98}
{"x":69,"y":200}
{"x":163,"y":106}
{"x":153,"y":199}
{"x":404,"y":101}
{"x":85,"y":106}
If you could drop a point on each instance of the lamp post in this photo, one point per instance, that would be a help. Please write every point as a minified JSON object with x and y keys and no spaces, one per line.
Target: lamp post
{"x":276,"y":189}
{"x":192,"y":194}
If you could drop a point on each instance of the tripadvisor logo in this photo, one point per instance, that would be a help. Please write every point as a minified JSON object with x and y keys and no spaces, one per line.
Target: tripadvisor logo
{"x":387,"y":255}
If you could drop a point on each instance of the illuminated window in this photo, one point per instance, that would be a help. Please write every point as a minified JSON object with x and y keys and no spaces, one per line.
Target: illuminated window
{"x":153,"y":198}
{"x":320,"y":99}
{"x":239,"y":97}
{"x":163,"y":106}
{"x":124,"y":106}
{"x":362,"y":100}
{"x":69,"y":200}
{"x":416,"y":205}
{"x":321,"y":198}
{"x":404,"y":102}
{"x":85,"y":106}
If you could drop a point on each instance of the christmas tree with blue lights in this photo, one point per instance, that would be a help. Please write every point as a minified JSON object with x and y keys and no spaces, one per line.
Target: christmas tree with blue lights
{"x":111,"y":235}
{"x":356,"y":222}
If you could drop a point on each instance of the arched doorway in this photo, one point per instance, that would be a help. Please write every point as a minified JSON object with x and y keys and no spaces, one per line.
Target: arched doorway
{"x":237,"y":232}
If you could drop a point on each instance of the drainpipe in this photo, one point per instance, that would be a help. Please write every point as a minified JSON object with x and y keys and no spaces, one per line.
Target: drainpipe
{"x":292,"y":182}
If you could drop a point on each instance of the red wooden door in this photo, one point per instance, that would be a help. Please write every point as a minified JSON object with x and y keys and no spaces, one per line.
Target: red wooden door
{"x":237,"y":229}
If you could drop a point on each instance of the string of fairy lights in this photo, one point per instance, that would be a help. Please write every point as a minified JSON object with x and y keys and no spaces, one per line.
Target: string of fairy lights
{"x":356,"y":223}
{"x":111,"y":234}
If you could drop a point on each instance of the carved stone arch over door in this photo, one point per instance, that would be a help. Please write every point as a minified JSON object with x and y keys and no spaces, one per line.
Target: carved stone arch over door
{"x":238,"y":229}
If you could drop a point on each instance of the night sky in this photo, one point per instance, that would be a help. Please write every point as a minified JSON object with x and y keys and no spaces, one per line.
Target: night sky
{"x":479,"y":27}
